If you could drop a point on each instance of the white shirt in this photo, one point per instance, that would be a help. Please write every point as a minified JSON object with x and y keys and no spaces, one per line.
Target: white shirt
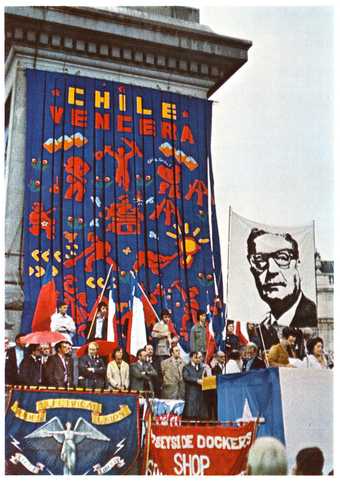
{"x":63,"y":324}
{"x":286,"y":319}
{"x":232,"y":367}
{"x":310,"y":361}
{"x":99,"y":327}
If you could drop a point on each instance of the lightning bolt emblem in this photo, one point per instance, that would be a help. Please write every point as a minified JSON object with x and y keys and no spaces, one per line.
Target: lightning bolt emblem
{"x":119,"y":446}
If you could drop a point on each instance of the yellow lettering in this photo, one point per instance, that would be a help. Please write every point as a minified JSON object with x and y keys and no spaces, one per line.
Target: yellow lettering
{"x":168,"y":111}
{"x":72,"y":92}
{"x":102,"y":99}
{"x":139,"y":107}
{"x":122,"y":102}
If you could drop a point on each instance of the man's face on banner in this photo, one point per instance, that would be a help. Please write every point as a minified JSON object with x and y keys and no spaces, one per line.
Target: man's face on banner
{"x":274,"y":268}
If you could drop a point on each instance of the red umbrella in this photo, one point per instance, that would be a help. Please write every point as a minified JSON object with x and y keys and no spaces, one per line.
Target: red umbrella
{"x":43,"y":337}
{"x":105,"y":348}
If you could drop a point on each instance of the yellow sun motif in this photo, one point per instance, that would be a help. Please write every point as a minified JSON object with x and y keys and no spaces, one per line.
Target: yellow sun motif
{"x":187,"y":243}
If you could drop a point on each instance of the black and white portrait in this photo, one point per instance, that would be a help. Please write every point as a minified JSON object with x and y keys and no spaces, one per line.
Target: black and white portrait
{"x":271,"y":276}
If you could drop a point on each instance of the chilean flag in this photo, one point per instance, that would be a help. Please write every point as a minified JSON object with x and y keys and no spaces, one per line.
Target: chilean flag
{"x":210,"y":336}
{"x":136,"y":336}
{"x":46,"y":303}
{"x":242,"y":333}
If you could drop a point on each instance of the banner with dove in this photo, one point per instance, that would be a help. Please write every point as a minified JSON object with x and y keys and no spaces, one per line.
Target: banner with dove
{"x":71,"y":433}
{"x":118,"y":175}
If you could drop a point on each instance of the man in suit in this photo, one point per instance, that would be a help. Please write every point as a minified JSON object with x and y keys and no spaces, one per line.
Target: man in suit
{"x":252,"y":360}
{"x":172,"y":371}
{"x":218,"y":364}
{"x":142,"y":373}
{"x":274,"y":261}
{"x":92,"y":368}
{"x":58,"y":370}
{"x":14,"y":357}
{"x":30,"y":370}
{"x":195,"y":407}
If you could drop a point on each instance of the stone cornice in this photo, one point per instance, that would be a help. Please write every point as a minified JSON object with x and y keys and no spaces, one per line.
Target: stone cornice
{"x":134,"y":40}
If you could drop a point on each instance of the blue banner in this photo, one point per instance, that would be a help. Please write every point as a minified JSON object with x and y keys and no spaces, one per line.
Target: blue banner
{"x":71,"y":433}
{"x":251,"y":395}
{"x":117,"y":175}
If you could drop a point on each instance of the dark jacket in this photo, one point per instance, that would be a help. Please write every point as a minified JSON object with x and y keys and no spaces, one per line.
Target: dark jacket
{"x":30,"y":371}
{"x":141,"y":376}
{"x":257,"y":363}
{"x":305,"y":314}
{"x":195,"y":406}
{"x":217,"y":370}
{"x":267,"y":335}
{"x":54,"y":371}
{"x":91,"y":379}
{"x":11,"y":367}
{"x":232,"y":342}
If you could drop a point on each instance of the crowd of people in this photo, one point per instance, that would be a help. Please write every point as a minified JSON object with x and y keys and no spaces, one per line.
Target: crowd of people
{"x":161,"y":368}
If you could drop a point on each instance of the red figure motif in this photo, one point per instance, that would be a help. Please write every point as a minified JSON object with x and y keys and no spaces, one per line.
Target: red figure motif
{"x":125,"y":218}
{"x":122,"y":157}
{"x":153,"y":260}
{"x":97,"y":250}
{"x":77,"y":168}
{"x":167,"y":207}
{"x":41,"y":220}
{"x":171,"y":180}
{"x":199,"y":188}
{"x":191,"y":306}
{"x":77,"y":300}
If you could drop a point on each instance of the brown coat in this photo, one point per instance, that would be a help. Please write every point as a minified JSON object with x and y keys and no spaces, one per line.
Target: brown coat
{"x":277,"y":356}
{"x":173,"y":383}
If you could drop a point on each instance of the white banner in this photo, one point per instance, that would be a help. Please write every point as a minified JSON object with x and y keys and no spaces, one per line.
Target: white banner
{"x":307,"y":408}
{"x":20,"y":458}
{"x":271,"y":273}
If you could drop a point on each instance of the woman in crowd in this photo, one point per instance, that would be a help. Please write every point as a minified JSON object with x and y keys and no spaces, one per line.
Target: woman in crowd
{"x":315,"y":358}
{"x":117,"y":372}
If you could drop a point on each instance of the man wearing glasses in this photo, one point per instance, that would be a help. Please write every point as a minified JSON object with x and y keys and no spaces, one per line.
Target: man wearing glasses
{"x":274,"y":260}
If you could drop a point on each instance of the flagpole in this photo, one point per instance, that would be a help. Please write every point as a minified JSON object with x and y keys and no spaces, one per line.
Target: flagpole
{"x":100,"y":298}
{"x":146,"y":297}
{"x":264,"y":346}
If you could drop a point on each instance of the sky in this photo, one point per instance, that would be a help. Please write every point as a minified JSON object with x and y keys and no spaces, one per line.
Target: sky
{"x":272,"y":133}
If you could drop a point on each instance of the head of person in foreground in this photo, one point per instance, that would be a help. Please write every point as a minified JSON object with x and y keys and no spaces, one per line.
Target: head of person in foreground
{"x":267,"y":456}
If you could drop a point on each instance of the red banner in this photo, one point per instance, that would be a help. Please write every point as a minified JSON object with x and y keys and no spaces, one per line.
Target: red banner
{"x":197,"y":450}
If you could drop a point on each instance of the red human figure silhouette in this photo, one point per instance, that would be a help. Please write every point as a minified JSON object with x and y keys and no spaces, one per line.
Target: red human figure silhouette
{"x":41,"y":220}
{"x":77,"y":168}
{"x":191,"y":306}
{"x":169,"y":209}
{"x":153,"y":260}
{"x":76,"y":300}
{"x":171,"y":180}
{"x":96,"y":251}
{"x":198,"y":187}
{"x":122,"y":157}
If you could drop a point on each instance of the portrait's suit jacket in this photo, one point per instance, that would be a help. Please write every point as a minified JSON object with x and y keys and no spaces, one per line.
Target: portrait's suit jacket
{"x":94,"y":379}
{"x":173,"y":383}
{"x":54,"y":371}
{"x":118,"y":378}
{"x":305,"y":314}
